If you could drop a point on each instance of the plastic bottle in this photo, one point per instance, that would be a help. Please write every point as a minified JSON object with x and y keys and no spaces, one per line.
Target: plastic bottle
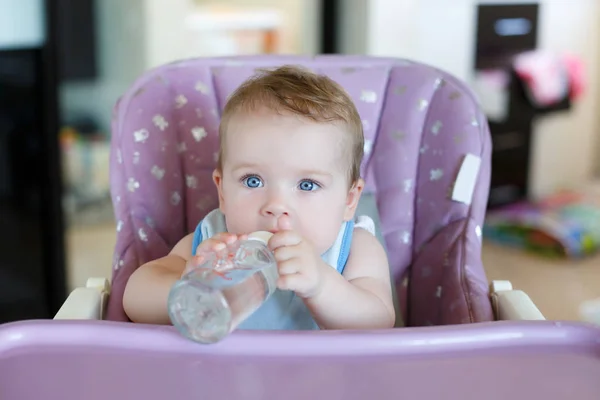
{"x":211,"y":300}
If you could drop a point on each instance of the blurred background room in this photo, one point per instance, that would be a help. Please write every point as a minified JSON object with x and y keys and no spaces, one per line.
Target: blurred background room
{"x":64,"y":63}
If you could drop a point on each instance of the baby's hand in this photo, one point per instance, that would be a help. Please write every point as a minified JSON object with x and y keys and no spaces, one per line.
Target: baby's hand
{"x":212,"y":245}
{"x":300,"y":267}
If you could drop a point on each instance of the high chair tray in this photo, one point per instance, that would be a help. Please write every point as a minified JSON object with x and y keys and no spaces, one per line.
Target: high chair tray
{"x":103,"y":360}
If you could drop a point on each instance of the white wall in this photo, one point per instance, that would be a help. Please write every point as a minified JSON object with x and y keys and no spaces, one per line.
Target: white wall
{"x":442,"y":33}
{"x":566,"y":147}
{"x":165,"y":30}
{"x":300,"y":29}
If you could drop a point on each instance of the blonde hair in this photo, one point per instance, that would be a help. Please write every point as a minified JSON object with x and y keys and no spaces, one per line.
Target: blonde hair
{"x":294,"y":90}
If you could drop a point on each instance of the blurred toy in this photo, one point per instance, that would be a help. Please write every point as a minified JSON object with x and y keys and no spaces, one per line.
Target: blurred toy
{"x":566,"y":224}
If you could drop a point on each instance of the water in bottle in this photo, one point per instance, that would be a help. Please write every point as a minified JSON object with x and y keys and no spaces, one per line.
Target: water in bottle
{"x":211,"y":300}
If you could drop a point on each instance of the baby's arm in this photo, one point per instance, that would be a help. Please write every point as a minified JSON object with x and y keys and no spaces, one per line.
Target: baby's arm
{"x":147,"y":290}
{"x":362,"y":297}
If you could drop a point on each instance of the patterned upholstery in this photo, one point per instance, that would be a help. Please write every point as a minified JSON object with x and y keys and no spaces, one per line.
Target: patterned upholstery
{"x":419,"y":124}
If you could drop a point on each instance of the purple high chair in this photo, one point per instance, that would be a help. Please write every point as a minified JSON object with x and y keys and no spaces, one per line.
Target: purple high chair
{"x":427,"y":169}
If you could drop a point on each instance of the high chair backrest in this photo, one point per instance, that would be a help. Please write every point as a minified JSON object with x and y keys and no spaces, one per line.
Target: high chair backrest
{"x":427,"y":163}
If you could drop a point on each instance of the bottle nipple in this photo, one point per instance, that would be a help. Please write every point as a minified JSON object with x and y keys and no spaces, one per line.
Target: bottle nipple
{"x":261,"y":236}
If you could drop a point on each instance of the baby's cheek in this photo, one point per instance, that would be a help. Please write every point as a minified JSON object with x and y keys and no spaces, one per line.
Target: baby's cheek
{"x":322,"y":236}
{"x":235,"y":219}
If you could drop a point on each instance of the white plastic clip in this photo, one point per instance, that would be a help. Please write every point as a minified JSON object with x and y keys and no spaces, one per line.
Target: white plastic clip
{"x":465,"y":182}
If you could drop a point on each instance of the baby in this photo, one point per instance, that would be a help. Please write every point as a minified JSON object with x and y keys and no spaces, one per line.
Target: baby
{"x":291,"y":145}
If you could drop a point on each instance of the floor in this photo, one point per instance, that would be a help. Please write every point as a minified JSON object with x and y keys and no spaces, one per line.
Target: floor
{"x":557,"y":287}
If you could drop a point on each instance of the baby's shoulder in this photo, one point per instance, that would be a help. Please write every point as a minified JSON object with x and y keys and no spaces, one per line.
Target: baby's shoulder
{"x":365,"y":222}
{"x":367,"y":256}
{"x":365,"y":243}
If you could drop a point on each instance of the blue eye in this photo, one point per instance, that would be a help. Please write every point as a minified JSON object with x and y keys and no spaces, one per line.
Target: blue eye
{"x":252,"y":181}
{"x":308,"y":185}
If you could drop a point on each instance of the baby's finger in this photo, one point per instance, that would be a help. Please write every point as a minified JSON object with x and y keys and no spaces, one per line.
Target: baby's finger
{"x":284,"y":238}
{"x":210,"y":245}
{"x":225,"y":237}
{"x":285,"y":253}
{"x":291,"y":266}
{"x":297,"y":283}
{"x":288,"y":282}
{"x":193,"y":263}
{"x":284,"y":223}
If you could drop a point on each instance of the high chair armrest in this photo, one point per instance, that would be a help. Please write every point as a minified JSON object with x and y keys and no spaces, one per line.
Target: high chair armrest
{"x":86,"y":302}
{"x":510,"y":304}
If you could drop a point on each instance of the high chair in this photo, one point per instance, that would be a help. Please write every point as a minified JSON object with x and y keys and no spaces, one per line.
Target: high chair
{"x":427,"y":172}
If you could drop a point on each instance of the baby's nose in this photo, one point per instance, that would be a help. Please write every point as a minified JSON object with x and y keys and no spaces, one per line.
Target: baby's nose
{"x":275,"y":210}
{"x":275,"y":206}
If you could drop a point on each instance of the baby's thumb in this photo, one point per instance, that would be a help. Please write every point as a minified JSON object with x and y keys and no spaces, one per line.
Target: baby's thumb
{"x":193,"y":263}
{"x":284,"y":223}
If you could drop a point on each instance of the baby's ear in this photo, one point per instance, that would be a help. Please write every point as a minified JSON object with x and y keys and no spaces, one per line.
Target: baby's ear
{"x":353,"y":198}
{"x":218,"y":180}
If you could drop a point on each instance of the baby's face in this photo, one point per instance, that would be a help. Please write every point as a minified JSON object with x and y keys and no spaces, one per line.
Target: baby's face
{"x":278,"y":165}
